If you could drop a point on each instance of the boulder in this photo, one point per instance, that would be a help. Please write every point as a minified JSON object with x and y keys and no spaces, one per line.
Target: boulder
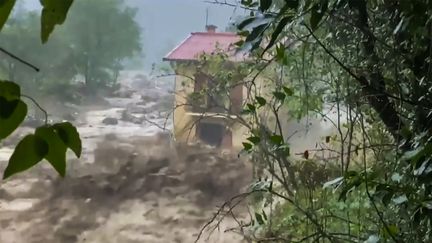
{"x":126,"y":116}
{"x":70,"y":116}
{"x":33,"y":122}
{"x":124,"y":93}
{"x":110,"y":121}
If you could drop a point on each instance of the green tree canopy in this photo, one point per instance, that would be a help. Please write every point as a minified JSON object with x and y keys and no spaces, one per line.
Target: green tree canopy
{"x":101,"y":35}
{"x":94,"y":46}
{"x":90,"y":45}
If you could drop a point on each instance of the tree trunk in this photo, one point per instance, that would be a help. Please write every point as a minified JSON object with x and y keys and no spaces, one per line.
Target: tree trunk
{"x":374,"y":86}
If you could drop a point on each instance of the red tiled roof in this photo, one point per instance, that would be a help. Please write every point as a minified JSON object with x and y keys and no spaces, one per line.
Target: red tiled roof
{"x":199,"y":43}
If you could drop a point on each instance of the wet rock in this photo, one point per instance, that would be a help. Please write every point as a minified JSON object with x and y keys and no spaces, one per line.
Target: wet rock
{"x":126,"y":116}
{"x":32,"y":122}
{"x":70,"y":116}
{"x":12,"y":140}
{"x":4,"y":194}
{"x":25,"y":188}
{"x":124,"y":93}
{"x":165,"y":103}
{"x":152,"y":116}
{"x":134,"y":184}
{"x":147,"y":98}
{"x":155,"y":165}
{"x":111,"y":155}
{"x":140,"y":109}
{"x":141,"y":81}
{"x":110,"y":121}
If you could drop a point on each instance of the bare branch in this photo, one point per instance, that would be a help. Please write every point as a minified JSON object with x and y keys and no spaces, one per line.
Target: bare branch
{"x":19,"y":59}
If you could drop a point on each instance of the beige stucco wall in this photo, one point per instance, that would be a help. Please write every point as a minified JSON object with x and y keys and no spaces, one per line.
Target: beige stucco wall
{"x":240,"y":133}
{"x":184,"y":123}
{"x":184,"y":129}
{"x":307,"y":132}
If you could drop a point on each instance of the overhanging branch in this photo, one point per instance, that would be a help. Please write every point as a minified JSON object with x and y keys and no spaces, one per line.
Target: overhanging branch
{"x":19,"y":59}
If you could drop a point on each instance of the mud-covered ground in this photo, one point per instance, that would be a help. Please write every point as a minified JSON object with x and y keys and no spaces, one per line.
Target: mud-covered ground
{"x":132,"y":184}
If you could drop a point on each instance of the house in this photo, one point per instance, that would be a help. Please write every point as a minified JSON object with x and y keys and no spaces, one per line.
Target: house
{"x":212,"y":119}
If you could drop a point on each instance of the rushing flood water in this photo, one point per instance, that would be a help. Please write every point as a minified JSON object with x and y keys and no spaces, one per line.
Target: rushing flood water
{"x":129,"y":186}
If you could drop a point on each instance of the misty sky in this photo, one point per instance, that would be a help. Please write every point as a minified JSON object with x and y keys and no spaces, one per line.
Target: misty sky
{"x":165,"y":23}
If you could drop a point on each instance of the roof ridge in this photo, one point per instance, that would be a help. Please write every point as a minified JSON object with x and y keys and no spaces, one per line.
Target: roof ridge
{"x":202,"y":42}
{"x":178,"y":46}
{"x":214,"y":33}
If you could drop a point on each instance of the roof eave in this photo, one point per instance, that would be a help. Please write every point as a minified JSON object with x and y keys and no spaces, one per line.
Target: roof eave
{"x":167,"y":59}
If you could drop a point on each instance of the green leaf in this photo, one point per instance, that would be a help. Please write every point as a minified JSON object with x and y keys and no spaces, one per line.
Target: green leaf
{"x":251,"y":107}
{"x":276,"y":32}
{"x":288,"y":91}
{"x":245,"y":112}
{"x":247,"y":3}
{"x":389,"y":231}
{"x":243,"y":33}
{"x":9,"y":90}
{"x":12,"y":114}
{"x":254,"y":140}
{"x":334,"y":183}
{"x":280,"y":52}
{"x":284,"y":150}
{"x":6,"y":7}
{"x":247,"y":146}
{"x":265,"y":5}
{"x":239,"y":43}
{"x":54,"y":13}
{"x":29,"y":151}
{"x":387,"y":198}
{"x":279,"y":95}
{"x":318,"y":11}
{"x":414,"y":156}
{"x":264,"y":215}
{"x":245,"y":23}
{"x":257,"y":33}
{"x":56,"y":155}
{"x":70,"y":136}
{"x":7,"y":107}
{"x":276,"y":139}
{"x":406,"y":132}
{"x":259,"y":218}
{"x":261,"y":101}
{"x":292,"y":4}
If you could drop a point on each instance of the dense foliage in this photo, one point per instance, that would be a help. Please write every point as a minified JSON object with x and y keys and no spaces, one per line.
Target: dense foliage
{"x":89,"y":49}
{"x":368,"y":62}
{"x":50,"y":141}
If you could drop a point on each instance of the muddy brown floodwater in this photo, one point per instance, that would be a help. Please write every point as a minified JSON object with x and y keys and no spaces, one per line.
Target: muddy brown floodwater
{"x":132,"y":184}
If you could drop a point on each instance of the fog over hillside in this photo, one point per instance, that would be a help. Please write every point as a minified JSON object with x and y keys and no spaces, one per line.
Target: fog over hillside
{"x":165,"y":23}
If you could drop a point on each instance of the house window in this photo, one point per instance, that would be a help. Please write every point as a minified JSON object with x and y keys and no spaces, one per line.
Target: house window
{"x":217,"y":99}
{"x":211,"y":133}
{"x":236,"y":99}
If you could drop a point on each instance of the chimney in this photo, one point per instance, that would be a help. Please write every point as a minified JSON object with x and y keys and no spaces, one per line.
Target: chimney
{"x":211,"y":28}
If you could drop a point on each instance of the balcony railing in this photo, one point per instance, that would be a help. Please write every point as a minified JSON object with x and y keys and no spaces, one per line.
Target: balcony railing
{"x":198,"y":104}
{"x":201,"y":109}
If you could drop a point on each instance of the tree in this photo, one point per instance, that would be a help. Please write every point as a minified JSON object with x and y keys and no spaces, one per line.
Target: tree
{"x":98,"y":44}
{"x":90,"y":44}
{"x":371,"y":61}
{"x":50,"y":141}
{"x":20,"y":36}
